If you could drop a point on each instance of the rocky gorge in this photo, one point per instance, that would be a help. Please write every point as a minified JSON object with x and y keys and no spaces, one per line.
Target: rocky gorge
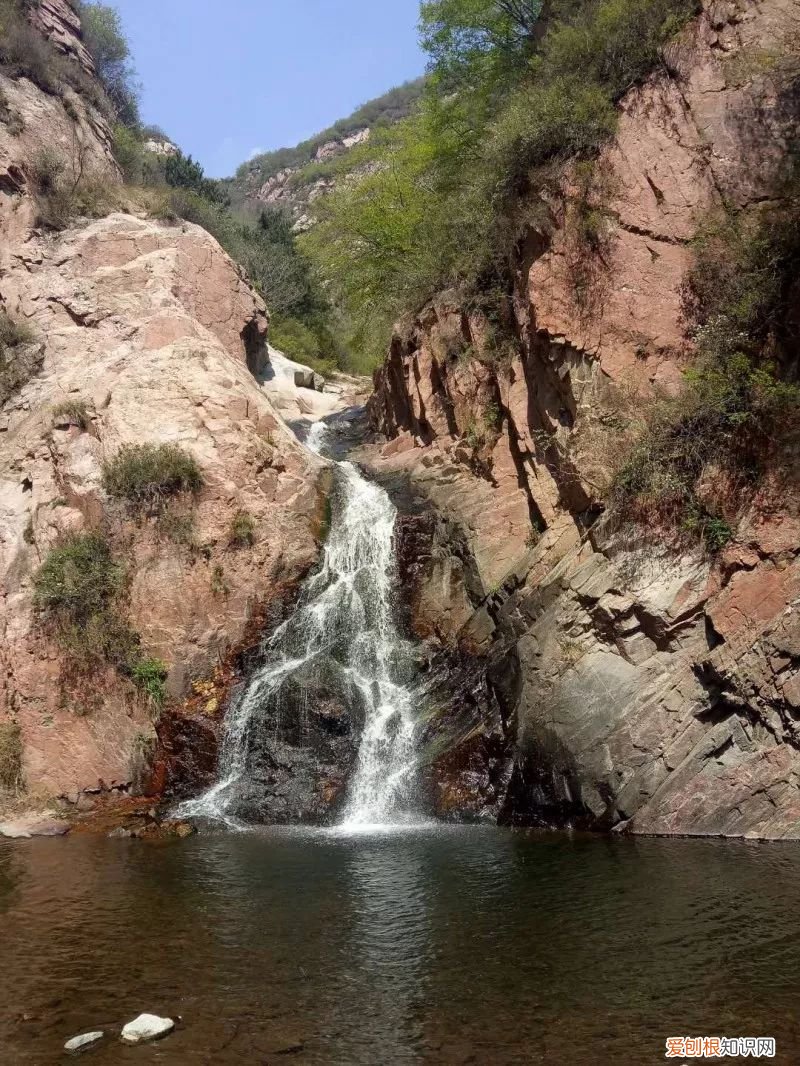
{"x":577,"y":673}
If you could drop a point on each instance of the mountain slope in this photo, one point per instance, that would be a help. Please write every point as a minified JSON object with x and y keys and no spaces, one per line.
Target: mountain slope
{"x":293,"y":178}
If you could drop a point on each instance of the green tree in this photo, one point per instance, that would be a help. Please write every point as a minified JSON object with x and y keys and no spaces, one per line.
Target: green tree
{"x":469,"y":41}
{"x":182,"y":172}
{"x":109,"y":48}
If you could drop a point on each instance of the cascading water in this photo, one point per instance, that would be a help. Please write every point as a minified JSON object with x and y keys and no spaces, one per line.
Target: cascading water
{"x":343,"y":624}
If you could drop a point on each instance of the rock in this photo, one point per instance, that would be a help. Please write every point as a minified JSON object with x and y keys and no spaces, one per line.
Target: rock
{"x":174,"y":328}
{"x":309,"y":379}
{"x":610,"y":683}
{"x":34,"y":826}
{"x":120,"y":833}
{"x":147,"y":1027}
{"x":84,"y":1041}
{"x":304,"y":379}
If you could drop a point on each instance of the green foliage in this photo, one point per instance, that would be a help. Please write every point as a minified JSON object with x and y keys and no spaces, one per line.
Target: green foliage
{"x":475,"y":45}
{"x":75,"y":411}
{"x":243,"y":530}
{"x":303,"y":344}
{"x":79,"y":579}
{"x":147,"y":474}
{"x":513,"y":92}
{"x":76,"y":590}
{"x":182,"y":172}
{"x":139,"y":166}
{"x":150,"y":677}
{"x":700,"y":456}
{"x":10,"y":757}
{"x":104,"y":37}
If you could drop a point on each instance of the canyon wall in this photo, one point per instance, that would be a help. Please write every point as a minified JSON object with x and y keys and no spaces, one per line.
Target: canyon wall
{"x":601,"y":679}
{"x":150,"y":330}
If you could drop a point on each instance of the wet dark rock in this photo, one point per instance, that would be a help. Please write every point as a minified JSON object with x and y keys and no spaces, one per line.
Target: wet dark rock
{"x":466,"y":746}
{"x":189,"y":746}
{"x":301,"y":754}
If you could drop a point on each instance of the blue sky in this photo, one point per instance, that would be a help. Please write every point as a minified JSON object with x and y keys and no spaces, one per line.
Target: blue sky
{"x":228,"y":79}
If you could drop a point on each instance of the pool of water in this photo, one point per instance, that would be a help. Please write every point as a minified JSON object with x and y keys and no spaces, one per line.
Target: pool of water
{"x":462,"y":945}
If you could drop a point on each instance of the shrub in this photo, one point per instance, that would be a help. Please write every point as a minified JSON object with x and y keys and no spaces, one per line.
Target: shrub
{"x":13,"y":332}
{"x":67,"y":190}
{"x":106,"y":42}
{"x":24,"y":52}
{"x":75,"y":411}
{"x":150,"y":677}
{"x":243,"y":530}
{"x":147,"y":474}
{"x":79,"y":579}
{"x":139,"y":166}
{"x":182,"y":172}
{"x":10,"y":757}
{"x":301,"y":343}
{"x":14,"y":122}
{"x":219,"y":586}
{"x":76,"y":590}
{"x":179,"y":528}
{"x":18,"y":357}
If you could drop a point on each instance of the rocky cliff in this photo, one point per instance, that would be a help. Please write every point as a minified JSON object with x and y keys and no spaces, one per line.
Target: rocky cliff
{"x":604,"y":680}
{"x":128,"y":331}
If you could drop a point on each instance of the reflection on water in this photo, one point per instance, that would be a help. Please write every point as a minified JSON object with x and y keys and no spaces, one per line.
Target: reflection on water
{"x":391,"y":937}
{"x":442,"y":946}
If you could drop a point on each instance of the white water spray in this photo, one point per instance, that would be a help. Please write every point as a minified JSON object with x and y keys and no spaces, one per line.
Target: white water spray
{"x":344,"y":616}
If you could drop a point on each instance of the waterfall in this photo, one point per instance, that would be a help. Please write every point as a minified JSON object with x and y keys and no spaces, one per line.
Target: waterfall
{"x":344,"y":617}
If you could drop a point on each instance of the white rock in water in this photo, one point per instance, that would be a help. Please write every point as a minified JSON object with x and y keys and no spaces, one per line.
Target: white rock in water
{"x":147,"y":1027}
{"x":79,"y":1043}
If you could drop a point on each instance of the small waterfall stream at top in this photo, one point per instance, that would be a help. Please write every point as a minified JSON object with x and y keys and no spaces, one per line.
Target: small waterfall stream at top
{"x":343,"y":624}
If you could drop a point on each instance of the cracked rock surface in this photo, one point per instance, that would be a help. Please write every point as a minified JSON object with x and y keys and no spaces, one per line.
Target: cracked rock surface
{"x":598,"y":681}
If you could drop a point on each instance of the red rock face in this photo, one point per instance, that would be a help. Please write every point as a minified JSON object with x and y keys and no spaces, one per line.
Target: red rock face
{"x":59,"y":22}
{"x":647,"y":690}
{"x":153,"y":328}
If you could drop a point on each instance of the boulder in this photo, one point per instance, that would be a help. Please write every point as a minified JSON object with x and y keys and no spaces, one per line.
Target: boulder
{"x":309,"y":379}
{"x":147,"y":1027}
